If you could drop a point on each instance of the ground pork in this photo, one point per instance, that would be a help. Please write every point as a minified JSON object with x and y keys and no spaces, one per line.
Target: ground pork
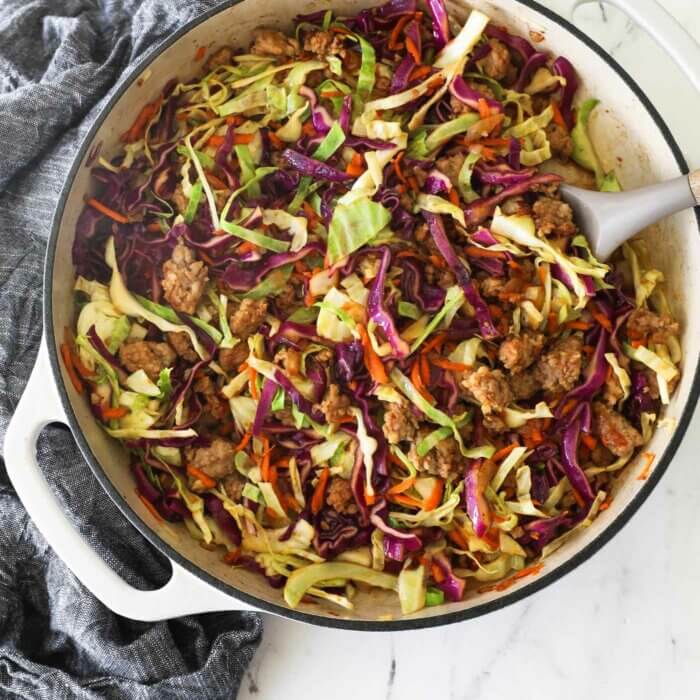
{"x":182,"y":345}
{"x":444,"y":460}
{"x":601,"y":456}
{"x":524,"y":385}
{"x":494,"y":423}
{"x":231,"y":358}
{"x":287,"y":300}
{"x":247,"y":318}
{"x":147,"y":355}
{"x":324,"y":44}
{"x":553,"y":217}
{"x":339,"y":496}
{"x":179,"y":200}
{"x":497,"y":64}
{"x":614,"y":430}
{"x":643,"y":323}
{"x":233,"y":485}
{"x":559,"y":369}
{"x":215,"y":461}
{"x":268,"y":42}
{"x":612,"y":390}
{"x":290,"y":360}
{"x":559,"y":140}
{"x":215,"y":409}
{"x":399,"y":423}
{"x":334,"y":405}
{"x":220,"y":57}
{"x":438,"y":276}
{"x":490,"y":388}
{"x":518,"y":352}
{"x":450,"y":166}
{"x":491,"y":287}
{"x":184,"y":279}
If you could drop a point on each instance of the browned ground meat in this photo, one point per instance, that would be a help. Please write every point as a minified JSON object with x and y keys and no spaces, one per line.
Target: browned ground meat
{"x":559,"y":140}
{"x":399,"y":423}
{"x":443,"y":460}
{"x":519,"y":352}
{"x":497,"y":64}
{"x":248,"y":317}
{"x":643,"y":323}
{"x":458,"y":107}
{"x":491,"y":287}
{"x":220,"y":57}
{"x":215,"y":461}
{"x":339,"y":496}
{"x":450,"y":166}
{"x":490,"y":388}
{"x":553,"y":217}
{"x":612,"y":391}
{"x":147,"y":355}
{"x":324,"y":44}
{"x":494,"y":423}
{"x":334,"y":405}
{"x":184,"y":279}
{"x":601,"y":456}
{"x":181,"y":343}
{"x":435,"y":275}
{"x":214,"y":408}
{"x":268,"y":42}
{"x":287,"y":300}
{"x":559,"y":369}
{"x":290,"y":359}
{"x":614,"y":430}
{"x":524,"y":385}
{"x":233,"y":485}
{"x":178,"y":199}
{"x":231,"y":358}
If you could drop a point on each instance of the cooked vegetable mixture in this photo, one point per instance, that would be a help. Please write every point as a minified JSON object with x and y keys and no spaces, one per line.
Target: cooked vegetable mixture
{"x":332,"y":303}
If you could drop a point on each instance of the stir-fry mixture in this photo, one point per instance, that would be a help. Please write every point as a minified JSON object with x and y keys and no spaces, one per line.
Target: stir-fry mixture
{"x":332,"y":303}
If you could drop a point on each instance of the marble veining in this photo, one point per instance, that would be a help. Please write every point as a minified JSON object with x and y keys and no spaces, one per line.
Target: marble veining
{"x":625,"y":625}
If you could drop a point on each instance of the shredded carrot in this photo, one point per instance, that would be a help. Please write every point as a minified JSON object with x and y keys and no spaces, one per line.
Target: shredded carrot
{"x":435,"y":496}
{"x":138,"y":128}
{"x":436,"y":82}
{"x":149,"y":506}
{"x":507,"y":583}
{"x":402,"y":485}
{"x":494,"y":142}
{"x":154,"y":227}
{"x":408,"y":254}
{"x":457,"y":536}
{"x":393,"y":42}
{"x":372,"y":360}
{"x":328,"y":94}
{"x":311,"y":215}
{"x":606,"y":504}
{"x":246,"y":247}
{"x":451,"y":366}
{"x":578,"y":325}
{"x":542,"y":274}
{"x":504,"y":452}
{"x":397,"y":168}
{"x":568,"y":406}
{"x":404,"y":500}
{"x":83,"y":371}
{"x":477,"y":252}
{"x":232,"y":557}
{"x":589,"y":440}
{"x":496,"y":311}
{"x":454,"y":196}
{"x":603,"y":320}
{"x":355,"y":166}
{"x":557,"y":116}
{"x":216,"y":140}
{"x":196,"y":473}
{"x":488,"y":153}
{"x":199,"y":53}
{"x":308,"y":129}
{"x":253,"y":383}
{"x":419,"y":72}
{"x":438,"y":261}
{"x":412,"y":50}
{"x":216,"y":182}
{"x":535,"y":438}
{"x":242,"y":139}
{"x":418,"y":383}
{"x":320,"y":491}
{"x":588,"y":349}
{"x":370,"y":498}
{"x":68,"y":363}
{"x":552,"y":323}
{"x":104,"y":209}
{"x":234,"y":119}
{"x":484,"y":109}
{"x":437,"y":573}
{"x":412,"y":181}
{"x":275,"y":141}
{"x":435,"y":343}
{"x":265,"y":472}
{"x":244,"y":442}
{"x":644,"y":474}
{"x":115,"y":413}
{"x":424,"y":369}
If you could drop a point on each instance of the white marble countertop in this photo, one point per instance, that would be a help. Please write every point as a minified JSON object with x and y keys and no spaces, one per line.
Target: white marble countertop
{"x":624,"y":625}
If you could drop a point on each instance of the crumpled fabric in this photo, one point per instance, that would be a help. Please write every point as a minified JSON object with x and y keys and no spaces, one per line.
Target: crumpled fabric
{"x":59,"y":62}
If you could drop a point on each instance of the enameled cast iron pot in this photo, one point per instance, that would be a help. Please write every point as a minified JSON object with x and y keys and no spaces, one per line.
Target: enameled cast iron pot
{"x":629,"y":134}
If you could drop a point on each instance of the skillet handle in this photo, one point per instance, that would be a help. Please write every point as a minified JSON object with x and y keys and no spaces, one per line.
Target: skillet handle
{"x":184,"y":594}
{"x":665,"y":30}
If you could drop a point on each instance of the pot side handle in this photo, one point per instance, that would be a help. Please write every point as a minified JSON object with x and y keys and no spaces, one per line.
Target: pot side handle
{"x":184,"y":594}
{"x":664,"y":29}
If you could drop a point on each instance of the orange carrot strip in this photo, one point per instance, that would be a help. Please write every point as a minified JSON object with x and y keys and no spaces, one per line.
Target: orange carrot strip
{"x":396,"y":31}
{"x":115,"y":413}
{"x":484,"y":109}
{"x":435,"y":342}
{"x":402,"y":485}
{"x":603,"y":320}
{"x":244,"y":442}
{"x":435,"y":496}
{"x":424,"y":369}
{"x":447,"y":364}
{"x":265,"y":472}
{"x":196,"y":473}
{"x":354,"y":167}
{"x":138,"y":128}
{"x":454,"y":196}
{"x":552,"y":323}
{"x":252,"y":382}
{"x":232,"y":557}
{"x":216,"y":182}
{"x":242,"y":139}
{"x":320,"y":491}
{"x":275,"y":141}
{"x":419,"y":72}
{"x":216,"y":140}
{"x":372,"y":360}
{"x":644,"y":474}
{"x":104,"y":209}
{"x":588,"y":440}
{"x":477,"y":252}
{"x":557,"y":116}
{"x":437,"y":573}
{"x":404,"y":500}
{"x":397,"y":168}
{"x":457,"y":536}
{"x":234,"y":119}
{"x":149,"y":506}
{"x":504,"y":452}
{"x":418,"y":383}
{"x":412,"y":49}
{"x":68,"y":363}
{"x":577,"y":325}
{"x":328,"y":94}
{"x":154,"y":227}
{"x":199,"y":53}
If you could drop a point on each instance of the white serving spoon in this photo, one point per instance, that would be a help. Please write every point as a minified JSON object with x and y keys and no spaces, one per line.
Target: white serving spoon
{"x":610,"y":218}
